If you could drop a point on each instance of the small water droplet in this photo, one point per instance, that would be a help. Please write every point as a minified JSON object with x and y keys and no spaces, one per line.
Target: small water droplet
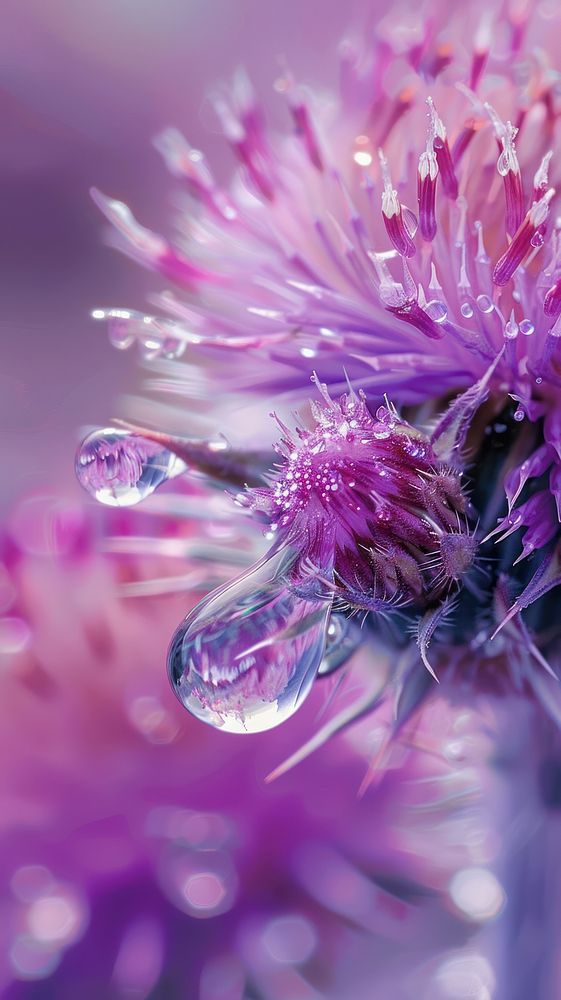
{"x":120,"y":468}
{"x":436,"y":310}
{"x":538,"y":239}
{"x":173,"y":348}
{"x":503,"y":166}
{"x":539,"y":380}
{"x":245,"y":658}
{"x":410,"y":220}
{"x":511,"y":329}
{"x":519,"y":414}
{"x":485,"y":304}
{"x":119,"y":333}
{"x":526,"y":327}
{"x":466,"y":310}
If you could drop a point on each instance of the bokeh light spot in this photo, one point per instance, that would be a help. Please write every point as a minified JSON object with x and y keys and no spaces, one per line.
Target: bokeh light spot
{"x":477,"y":893}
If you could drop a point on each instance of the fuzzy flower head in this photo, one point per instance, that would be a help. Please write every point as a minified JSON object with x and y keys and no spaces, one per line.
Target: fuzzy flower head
{"x":369,"y":500}
{"x":401,"y":239}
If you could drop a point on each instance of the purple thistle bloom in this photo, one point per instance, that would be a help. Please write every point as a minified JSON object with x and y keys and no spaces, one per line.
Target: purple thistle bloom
{"x":416,"y":504}
{"x":313,"y":261}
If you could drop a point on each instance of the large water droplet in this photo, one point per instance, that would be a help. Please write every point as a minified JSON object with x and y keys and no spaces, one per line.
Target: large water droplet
{"x":245,"y":658}
{"x":120,"y":468}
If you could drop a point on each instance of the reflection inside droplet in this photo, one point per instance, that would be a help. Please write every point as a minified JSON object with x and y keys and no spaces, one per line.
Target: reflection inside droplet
{"x":120,"y":468}
{"x":245,"y":658}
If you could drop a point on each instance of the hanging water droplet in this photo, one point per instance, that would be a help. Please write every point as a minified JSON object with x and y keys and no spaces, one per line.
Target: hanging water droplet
{"x":121,"y":326}
{"x":519,"y":414}
{"x":466,"y":310}
{"x":511,"y":328}
{"x":119,"y":333}
{"x":344,"y":636}
{"x":538,"y":239}
{"x":503,"y":165}
{"x":120,"y":468}
{"x":437,"y":310}
{"x":526,"y":327}
{"x":245,"y":658}
{"x":485,"y":304}
{"x":410,"y":220}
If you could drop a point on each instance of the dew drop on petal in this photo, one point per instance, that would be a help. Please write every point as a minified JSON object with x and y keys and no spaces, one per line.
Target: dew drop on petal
{"x":119,"y":332}
{"x":526,"y":327}
{"x":537,"y":239}
{"x":485,"y":304}
{"x":466,"y":310}
{"x":119,"y":468}
{"x":245,"y":658}
{"x":437,"y":311}
{"x":511,"y":329}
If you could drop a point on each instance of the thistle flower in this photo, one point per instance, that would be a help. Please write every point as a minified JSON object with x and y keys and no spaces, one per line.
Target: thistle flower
{"x":313,"y":261}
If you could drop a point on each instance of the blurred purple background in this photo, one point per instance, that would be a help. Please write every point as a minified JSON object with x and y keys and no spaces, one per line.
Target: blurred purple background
{"x":84,"y":89}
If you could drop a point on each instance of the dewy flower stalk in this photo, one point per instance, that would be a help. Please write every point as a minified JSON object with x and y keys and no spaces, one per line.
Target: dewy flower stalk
{"x":419,"y":485}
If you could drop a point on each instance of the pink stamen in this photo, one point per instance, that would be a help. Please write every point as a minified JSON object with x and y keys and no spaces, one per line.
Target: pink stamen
{"x":541,"y":177}
{"x":522,"y":240}
{"x":462,"y":141}
{"x":305,"y":130}
{"x":552,"y":301}
{"x":412,"y":313}
{"x":509,"y":169}
{"x":396,"y":225}
{"x":426,"y":193}
{"x":442,"y":152}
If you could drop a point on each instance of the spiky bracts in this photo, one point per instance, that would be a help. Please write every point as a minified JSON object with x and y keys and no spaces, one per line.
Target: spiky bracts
{"x":371,"y":505}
